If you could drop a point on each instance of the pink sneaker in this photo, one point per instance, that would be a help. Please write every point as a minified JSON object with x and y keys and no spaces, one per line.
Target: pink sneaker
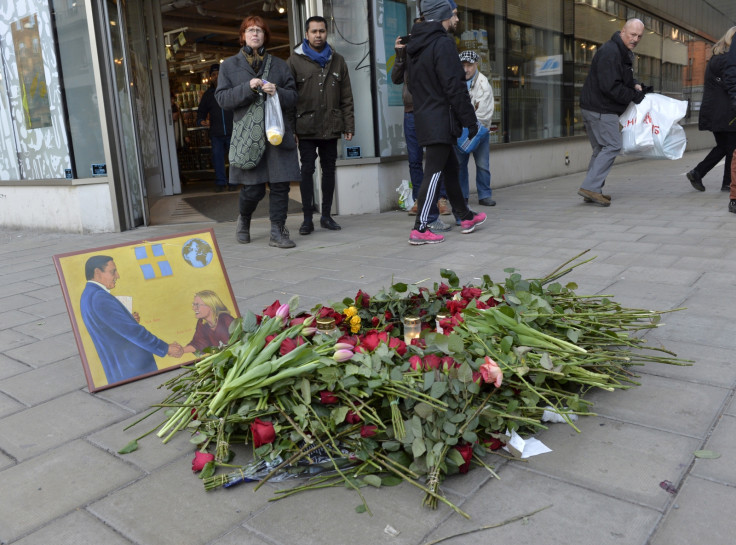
{"x":468,"y":226}
{"x":427,"y":237}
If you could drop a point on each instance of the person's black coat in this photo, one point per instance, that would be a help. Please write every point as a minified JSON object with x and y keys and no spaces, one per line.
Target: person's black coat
{"x":442,"y":104}
{"x":716,"y":113}
{"x":609,"y":87}
{"x":221,"y":121}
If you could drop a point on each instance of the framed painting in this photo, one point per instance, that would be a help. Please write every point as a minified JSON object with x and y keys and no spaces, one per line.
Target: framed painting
{"x":141,"y":308}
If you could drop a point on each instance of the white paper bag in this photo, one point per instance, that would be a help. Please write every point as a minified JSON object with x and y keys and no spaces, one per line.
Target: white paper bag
{"x":651,"y":129}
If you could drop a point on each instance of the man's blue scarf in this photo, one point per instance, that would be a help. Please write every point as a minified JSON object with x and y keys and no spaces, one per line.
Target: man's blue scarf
{"x":320,"y":57}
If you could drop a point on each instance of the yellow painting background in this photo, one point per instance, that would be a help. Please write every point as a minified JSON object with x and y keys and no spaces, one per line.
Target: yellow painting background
{"x":164,"y":304}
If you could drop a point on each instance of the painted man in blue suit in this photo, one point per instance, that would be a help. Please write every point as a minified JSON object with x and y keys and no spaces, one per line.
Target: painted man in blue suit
{"x":125,"y":347}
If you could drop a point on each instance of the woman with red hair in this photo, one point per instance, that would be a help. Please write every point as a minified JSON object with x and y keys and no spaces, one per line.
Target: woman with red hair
{"x":244,"y":79}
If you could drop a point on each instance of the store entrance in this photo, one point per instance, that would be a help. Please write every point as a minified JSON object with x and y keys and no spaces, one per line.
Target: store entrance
{"x":197,"y":35}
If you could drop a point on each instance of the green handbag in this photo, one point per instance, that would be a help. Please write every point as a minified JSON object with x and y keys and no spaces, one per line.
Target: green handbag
{"x":248,"y":140}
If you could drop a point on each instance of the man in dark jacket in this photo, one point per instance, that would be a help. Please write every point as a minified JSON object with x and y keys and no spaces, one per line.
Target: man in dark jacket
{"x":220,"y":122}
{"x":607,"y":91}
{"x":324,"y":112}
{"x":441,"y":108}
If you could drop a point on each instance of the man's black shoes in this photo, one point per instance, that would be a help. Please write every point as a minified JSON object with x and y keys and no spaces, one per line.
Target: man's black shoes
{"x":695,"y":180}
{"x":306,"y":228}
{"x":328,"y":223}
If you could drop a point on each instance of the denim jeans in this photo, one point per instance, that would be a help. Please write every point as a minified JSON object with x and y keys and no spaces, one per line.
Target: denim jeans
{"x":220,"y":149}
{"x":482,"y":156}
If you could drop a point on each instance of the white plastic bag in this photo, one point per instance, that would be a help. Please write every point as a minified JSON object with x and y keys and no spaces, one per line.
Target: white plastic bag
{"x":406,"y":201}
{"x":651,"y":129}
{"x":274,"y":120}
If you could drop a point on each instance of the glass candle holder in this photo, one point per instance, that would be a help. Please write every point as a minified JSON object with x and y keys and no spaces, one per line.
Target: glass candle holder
{"x":437,"y":319}
{"x":326,"y":326}
{"x":412,"y":328}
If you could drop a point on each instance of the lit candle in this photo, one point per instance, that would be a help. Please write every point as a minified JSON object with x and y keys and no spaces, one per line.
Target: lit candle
{"x":412,"y":328}
{"x":326,"y":326}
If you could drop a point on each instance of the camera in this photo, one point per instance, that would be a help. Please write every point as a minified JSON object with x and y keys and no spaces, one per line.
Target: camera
{"x":404,"y":39}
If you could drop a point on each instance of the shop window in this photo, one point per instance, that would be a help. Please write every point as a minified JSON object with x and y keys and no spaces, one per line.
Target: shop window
{"x":347,"y":33}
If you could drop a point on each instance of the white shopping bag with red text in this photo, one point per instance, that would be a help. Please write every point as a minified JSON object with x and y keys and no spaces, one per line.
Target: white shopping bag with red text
{"x":651,"y":128}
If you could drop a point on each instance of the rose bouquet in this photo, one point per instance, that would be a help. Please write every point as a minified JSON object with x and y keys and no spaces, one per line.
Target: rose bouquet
{"x":490,"y":359}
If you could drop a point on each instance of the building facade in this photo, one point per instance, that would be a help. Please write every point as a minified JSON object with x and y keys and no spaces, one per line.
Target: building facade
{"x":97,"y":96}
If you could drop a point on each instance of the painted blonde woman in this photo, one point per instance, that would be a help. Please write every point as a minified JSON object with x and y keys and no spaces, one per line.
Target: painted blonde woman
{"x":213,"y":322}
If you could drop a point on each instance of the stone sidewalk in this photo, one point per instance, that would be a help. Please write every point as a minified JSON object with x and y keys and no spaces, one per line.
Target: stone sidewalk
{"x":661,"y":245}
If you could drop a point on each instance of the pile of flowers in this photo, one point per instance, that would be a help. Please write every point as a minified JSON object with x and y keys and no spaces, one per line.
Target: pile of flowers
{"x":366,"y":406}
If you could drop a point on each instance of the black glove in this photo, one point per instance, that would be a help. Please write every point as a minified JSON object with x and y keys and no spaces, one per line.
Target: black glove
{"x":472,"y":131}
{"x":647,"y":89}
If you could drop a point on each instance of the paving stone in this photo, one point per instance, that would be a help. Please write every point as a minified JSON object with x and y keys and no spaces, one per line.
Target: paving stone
{"x":43,"y":328}
{"x":56,"y":483}
{"x":13,"y":318}
{"x":77,"y":528}
{"x":46,"y":426}
{"x":711,"y":364}
{"x":45,"y":351}
{"x":723,"y":442}
{"x":294,"y":519}
{"x":625,"y":461}
{"x":152,"y":452}
{"x":665,"y":404}
{"x":10,"y":340}
{"x":572,"y":514}
{"x":704,"y":514}
{"x":39,"y":385}
{"x":8,"y":289}
{"x":159,"y":510}
{"x":8,"y":405}
{"x":10,"y":367}
{"x":663,"y":275}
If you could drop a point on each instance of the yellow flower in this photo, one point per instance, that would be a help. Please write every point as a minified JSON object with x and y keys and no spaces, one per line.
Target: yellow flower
{"x":354,"y":323}
{"x":350,"y":312}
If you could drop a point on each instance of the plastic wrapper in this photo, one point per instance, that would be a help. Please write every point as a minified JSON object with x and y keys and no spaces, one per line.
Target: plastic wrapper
{"x":274,"y":119}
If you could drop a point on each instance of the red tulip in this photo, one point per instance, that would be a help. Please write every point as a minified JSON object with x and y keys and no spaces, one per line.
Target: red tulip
{"x":270,"y":311}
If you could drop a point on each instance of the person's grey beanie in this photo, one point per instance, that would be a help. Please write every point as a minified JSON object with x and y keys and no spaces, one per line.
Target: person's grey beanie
{"x":436,"y":10}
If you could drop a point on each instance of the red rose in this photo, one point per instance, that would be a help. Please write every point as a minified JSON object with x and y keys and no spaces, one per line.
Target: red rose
{"x":353,"y":417}
{"x":416,"y":363}
{"x":388,"y":316}
{"x":432,"y":361}
{"x":443,"y":290}
{"x":466,"y":451}
{"x":370,"y":341}
{"x":299,"y":320}
{"x":271,"y":310}
{"x":263,"y":432}
{"x":362,"y":299}
{"x":368,"y":431}
{"x":481,"y":304}
{"x":456,"y":306}
{"x":348,"y":339}
{"x":449,"y":363}
{"x":328,"y":398}
{"x":421,"y":343}
{"x":492,"y":443}
{"x":375,"y":321}
{"x":327,"y":312}
{"x":477,"y":378}
{"x":398,"y":345}
{"x":287,"y":345}
{"x":200,"y":460}
{"x":469,"y":293}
